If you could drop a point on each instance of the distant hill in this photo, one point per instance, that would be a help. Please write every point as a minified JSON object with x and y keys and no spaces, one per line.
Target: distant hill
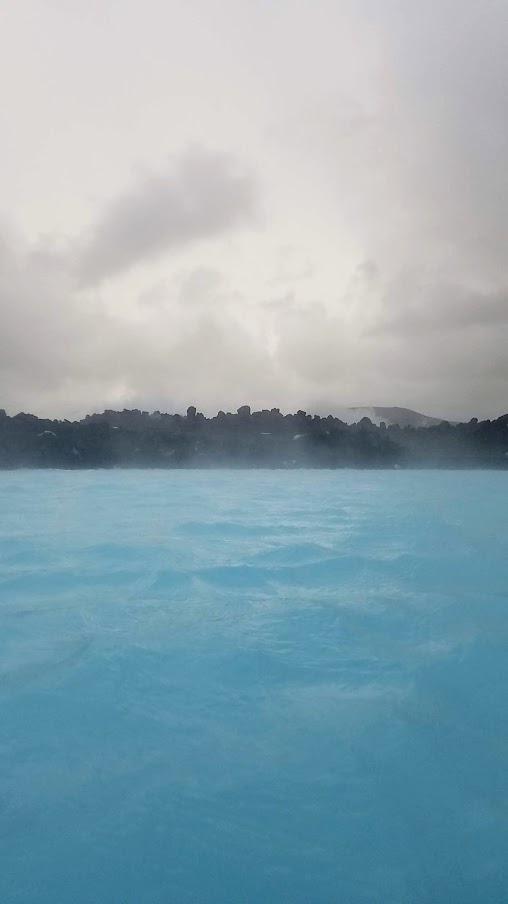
{"x":374,"y":438}
{"x":401,"y":417}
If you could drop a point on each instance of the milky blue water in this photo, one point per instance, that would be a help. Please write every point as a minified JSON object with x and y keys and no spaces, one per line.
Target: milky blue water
{"x":227,"y":687}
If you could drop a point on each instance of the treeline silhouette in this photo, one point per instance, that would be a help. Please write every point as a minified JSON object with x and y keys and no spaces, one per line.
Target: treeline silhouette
{"x":258,"y":439}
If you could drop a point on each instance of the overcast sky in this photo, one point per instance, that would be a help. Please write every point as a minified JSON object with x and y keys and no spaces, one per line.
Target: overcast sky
{"x":300,"y":203}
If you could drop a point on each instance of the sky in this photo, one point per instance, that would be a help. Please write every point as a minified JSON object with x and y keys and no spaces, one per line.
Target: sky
{"x":290,"y":203}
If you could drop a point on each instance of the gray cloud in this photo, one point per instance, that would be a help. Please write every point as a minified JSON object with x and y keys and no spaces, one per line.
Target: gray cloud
{"x":388,"y":153}
{"x":311,"y":343}
{"x":416,"y":164}
{"x":201,"y":195}
{"x":54,"y":344}
{"x":62,"y":353}
{"x":412,"y":307}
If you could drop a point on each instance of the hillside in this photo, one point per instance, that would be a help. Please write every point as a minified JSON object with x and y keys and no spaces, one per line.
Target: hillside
{"x":258,"y":439}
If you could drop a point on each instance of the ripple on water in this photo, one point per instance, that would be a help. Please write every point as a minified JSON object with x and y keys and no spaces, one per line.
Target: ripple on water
{"x":238,"y":686}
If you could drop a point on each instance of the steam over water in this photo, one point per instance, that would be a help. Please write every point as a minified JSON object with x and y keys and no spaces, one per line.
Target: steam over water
{"x":241,"y":687}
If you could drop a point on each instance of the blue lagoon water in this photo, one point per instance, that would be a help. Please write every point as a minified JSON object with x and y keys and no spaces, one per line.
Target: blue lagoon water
{"x":251,"y":686}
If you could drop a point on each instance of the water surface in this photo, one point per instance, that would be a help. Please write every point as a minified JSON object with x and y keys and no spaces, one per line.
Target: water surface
{"x":253,"y":686}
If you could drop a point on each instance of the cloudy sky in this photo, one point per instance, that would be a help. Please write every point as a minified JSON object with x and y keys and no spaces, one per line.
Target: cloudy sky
{"x":301,"y":203}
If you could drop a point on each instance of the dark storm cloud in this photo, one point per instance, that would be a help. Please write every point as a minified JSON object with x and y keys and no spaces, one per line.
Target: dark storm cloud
{"x":201,"y":195}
